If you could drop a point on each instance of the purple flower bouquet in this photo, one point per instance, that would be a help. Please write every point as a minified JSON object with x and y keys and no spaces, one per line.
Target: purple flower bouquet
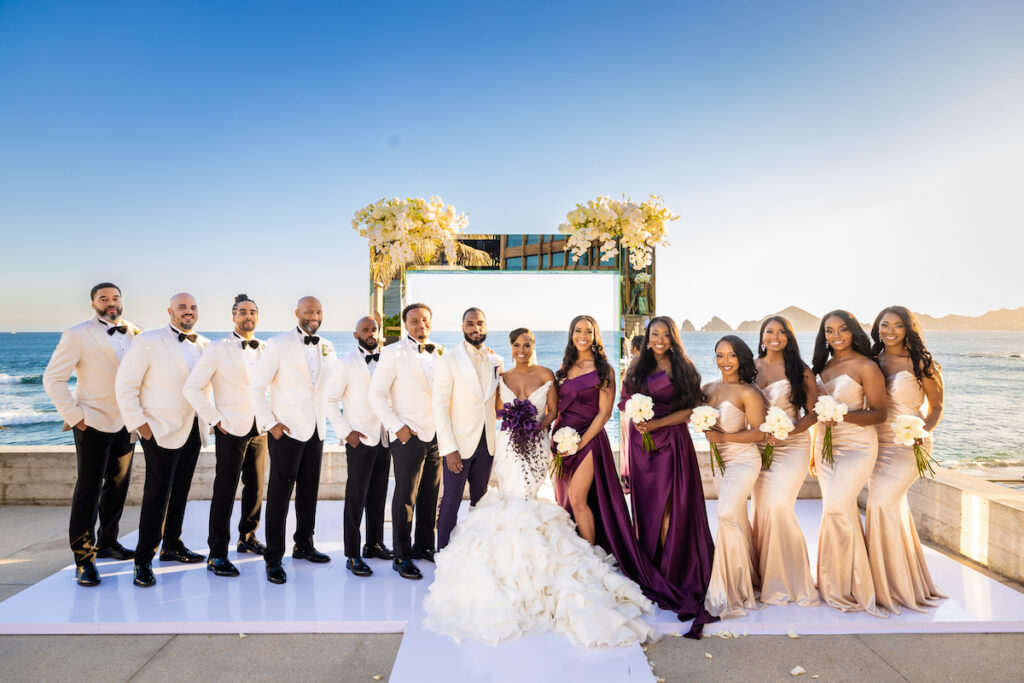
{"x":519,"y":419}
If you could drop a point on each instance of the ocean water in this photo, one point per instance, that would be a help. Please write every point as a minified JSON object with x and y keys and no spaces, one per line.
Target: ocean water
{"x":983,"y":422}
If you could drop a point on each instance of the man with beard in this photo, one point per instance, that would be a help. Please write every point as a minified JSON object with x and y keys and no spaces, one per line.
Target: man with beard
{"x":149,"y":393}
{"x":366,"y":448}
{"x":286,"y":388}
{"x":464,"y":384}
{"x":93,"y":350}
{"x":400,"y":395}
{"x":241,"y":447}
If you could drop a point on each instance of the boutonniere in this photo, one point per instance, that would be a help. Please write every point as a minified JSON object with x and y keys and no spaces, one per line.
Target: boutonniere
{"x":325,"y":349}
{"x":441,"y":350}
{"x":495,"y":369}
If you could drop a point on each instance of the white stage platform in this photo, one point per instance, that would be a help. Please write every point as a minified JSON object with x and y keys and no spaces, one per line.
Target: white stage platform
{"x":328,"y":599}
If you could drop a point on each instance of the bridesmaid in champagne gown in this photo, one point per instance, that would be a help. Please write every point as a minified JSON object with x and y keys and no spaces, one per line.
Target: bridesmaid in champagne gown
{"x":788,"y":383}
{"x":667,"y":494}
{"x":912,"y":376}
{"x":847,"y":371}
{"x":588,"y":486}
{"x":740,"y":403}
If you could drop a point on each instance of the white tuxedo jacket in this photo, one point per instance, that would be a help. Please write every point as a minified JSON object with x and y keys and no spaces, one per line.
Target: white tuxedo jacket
{"x":400,"y":391}
{"x":348,"y":381}
{"x":281,"y":389}
{"x":222,"y":367}
{"x":463,"y":409}
{"x":149,"y":384}
{"x":85,"y":350}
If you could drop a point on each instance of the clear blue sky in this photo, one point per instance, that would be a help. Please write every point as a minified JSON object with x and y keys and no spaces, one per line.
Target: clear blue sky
{"x":821,"y":154}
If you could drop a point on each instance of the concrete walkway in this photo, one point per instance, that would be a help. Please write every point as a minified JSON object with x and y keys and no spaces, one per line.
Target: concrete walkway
{"x":33,"y":545}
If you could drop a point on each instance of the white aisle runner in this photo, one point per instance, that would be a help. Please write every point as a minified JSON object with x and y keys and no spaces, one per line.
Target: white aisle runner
{"x":327,"y":599}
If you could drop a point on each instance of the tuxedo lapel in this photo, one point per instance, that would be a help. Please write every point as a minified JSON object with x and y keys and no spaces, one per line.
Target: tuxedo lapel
{"x":236,"y":353}
{"x":413,"y":360}
{"x":467,"y":369}
{"x":299,"y":352}
{"x":98,"y":334}
{"x":174,"y":348}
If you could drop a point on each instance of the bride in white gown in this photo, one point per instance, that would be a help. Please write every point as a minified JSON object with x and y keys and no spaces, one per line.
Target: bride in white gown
{"x":515,"y":564}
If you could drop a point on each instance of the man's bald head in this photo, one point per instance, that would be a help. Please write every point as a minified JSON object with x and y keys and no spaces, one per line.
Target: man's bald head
{"x":309,"y":314}
{"x":183,"y":311}
{"x":366,"y":332}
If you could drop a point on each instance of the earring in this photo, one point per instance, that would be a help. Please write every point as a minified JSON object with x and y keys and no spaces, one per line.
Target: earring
{"x":593,"y":348}
{"x":762,"y":348}
{"x":827,"y":345}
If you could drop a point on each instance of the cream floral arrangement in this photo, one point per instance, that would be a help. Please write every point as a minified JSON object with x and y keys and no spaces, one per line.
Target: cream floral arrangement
{"x":609,"y":223}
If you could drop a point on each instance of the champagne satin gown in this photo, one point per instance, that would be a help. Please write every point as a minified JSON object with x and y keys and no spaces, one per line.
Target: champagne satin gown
{"x":897,"y":561}
{"x":844,"y":572}
{"x":734,"y":570}
{"x":778,"y":540}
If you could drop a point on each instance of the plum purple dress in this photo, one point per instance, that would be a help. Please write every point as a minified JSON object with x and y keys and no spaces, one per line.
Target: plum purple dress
{"x":578,"y":400}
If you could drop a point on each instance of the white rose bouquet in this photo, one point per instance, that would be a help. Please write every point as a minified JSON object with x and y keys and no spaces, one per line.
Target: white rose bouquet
{"x":778,"y":424}
{"x":702,"y":419}
{"x":640,"y":408}
{"x":567,"y":442}
{"x":908,"y":430}
{"x":829,"y":410}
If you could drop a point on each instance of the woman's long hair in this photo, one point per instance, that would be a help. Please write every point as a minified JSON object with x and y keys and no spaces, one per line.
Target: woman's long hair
{"x":685,"y":377}
{"x":791,"y":361}
{"x":747,"y":369}
{"x":924,"y":364}
{"x":822,"y":351}
{"x":601,"y":364}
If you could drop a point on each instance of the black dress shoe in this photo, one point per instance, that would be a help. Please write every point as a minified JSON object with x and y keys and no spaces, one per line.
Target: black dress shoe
{"x":358,"y":567}
{"x":144,"y":576}
{"x":406,"y":569}
{"x":116,"y":551}
{"x":181,"y":554}
{"x":251,"y":545}
{"x":86,"y":574}
{"x":221,"y":566}
{"x":377,"y":550}
{"x":275,"y":573}
{"x":427,"y":555}
{"x":311,"y":554}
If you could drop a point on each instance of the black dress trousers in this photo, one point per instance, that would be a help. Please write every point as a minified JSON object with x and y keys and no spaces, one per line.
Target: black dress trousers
{"x":104,"y":472}
{"x":238,"y":457}
{"x":293,"y":465}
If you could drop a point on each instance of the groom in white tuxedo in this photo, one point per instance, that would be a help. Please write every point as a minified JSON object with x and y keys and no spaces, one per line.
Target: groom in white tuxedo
{"x":464,"y":384}
{"x":149,"y":394}
{"x":93,"y":351}
{"x":286,"y":388}
{"x":400,"y":395}
{"x":241,"y":447}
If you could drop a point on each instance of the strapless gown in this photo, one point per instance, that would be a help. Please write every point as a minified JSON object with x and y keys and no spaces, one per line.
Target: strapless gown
{"x":516,"y":566}
{"x":781,"y":548}
{"x":735,"y":570}
{"x":669,"y":478}
{"x":844,"y":572}
{"x":897,"y":561}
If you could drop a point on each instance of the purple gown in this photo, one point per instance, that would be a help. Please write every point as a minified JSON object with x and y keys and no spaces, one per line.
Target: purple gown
{"x":577,"y":407}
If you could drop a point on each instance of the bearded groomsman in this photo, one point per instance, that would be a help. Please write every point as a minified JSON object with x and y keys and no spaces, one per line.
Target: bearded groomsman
{"x":241,"y":447}
{"x":400,"y":395}
{"x":149,"y":393}
{"x":464,"y":384}
{"x":287,"y":384}
{"x":366,"y":448}
{"x":92,"y":351}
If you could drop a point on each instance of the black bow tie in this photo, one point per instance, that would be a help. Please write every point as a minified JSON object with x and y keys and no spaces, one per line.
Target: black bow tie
{"x":191,"y":337}
{"x":251,"y":343}
{"x":371,"y":356}
{"x":120,"y":329}
{"x":429,"y":348}
{"x":310,"y":339}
